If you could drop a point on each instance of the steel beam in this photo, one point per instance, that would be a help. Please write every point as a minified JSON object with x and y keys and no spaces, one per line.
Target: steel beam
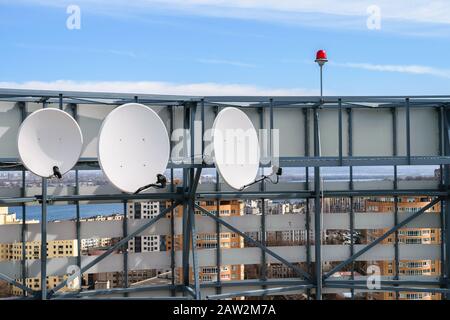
{"x":118,"y":245}
{"x":193,"y":232}
{"x":317,"y":210}
{"x":16,"y":284}
{"x":125,"y":246}
{"x":172,"y":212}
{"x":380,"y":239}
{"x":390,"y":289}
{"x":23,"y":115}
{"x":446,"y":202}
{"x":262,"y":188}
{"x":395,"y":153}
{"x":325,"y":161}
{"x":261,"y":292}
{"x":408,"y":131}
{"x":307,"y":209}
{"x":300,"y":271}
{"x":44,"y":240}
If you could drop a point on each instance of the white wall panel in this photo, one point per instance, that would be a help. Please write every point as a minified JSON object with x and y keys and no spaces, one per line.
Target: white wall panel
{"x":206,"y":257}
{"x":90,"y":118}
{"x":372,"y":132}
{"x":65,"y":230}
{"x":10,"y":119}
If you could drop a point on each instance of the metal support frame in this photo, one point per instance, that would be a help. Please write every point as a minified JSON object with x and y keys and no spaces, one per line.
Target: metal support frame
{"x":125,"y":246}
{"x":396,"y":289}
{"x":317,"y":210}
{"x":191,"y":179}
{"x":396,"y":266}
{"x":263,"y":264}
{"x":298,"y":270}
{"x":307,"y":209}
{"x":188,"y":195}
{"x":261,"y":292}
{"x":44,"y":240}
{"x":23,"y":115}
{"x":218,"y":231}
{"x":74,"y":108}
{"x":445,"y":203}
{"x":351,"y":187}
{"x":118,"y":245}
{"x":172,"y":213}
{"x":380,"y":239}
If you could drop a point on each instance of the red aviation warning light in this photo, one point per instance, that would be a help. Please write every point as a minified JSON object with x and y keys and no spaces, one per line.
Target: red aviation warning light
{"x":321,"y":57}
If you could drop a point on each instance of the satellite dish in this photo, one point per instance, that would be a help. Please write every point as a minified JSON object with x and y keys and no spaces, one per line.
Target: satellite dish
{"x":49,"y":142}
{"x":133,"y":147}
{"x":236,"y":147}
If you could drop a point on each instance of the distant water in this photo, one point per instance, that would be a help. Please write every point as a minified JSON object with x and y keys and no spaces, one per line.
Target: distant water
{"x":67,"y":212}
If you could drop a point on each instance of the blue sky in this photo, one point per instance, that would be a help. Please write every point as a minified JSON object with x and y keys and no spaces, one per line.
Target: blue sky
{"x":226,"y":47}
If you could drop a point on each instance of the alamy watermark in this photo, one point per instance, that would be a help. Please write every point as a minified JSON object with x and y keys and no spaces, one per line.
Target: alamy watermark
{"x":374,"y":20}
{"x":74,"y":277}
{"x":73,"y":21}
{"x":373,"y":277}
{"x":236,"y":147}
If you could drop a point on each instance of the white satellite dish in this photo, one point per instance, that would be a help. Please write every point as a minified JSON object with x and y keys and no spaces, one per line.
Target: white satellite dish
{"x":48,"y":138}
{"x":133,"y":147}
{"x":236,"y":147}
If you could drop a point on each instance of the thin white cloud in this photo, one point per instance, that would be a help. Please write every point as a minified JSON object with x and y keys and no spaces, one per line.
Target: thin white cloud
{"x":310,"y":11}
{"x":155,"y":87}
{"x":77,"y":49}
{"x":227,"y":62}
{"x":410,"y":69}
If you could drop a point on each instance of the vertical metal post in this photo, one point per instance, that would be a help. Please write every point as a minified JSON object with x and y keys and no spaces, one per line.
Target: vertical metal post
{"x":307,"y":213}
{"x":321,"y":80}
{"x":125,"y":278}
{"x":340,"y":131}
{"x":23,"y":236}
{"x":172,"y":213}
{"x":60,"y":101}
{"x":202,"y":117}
{"x":441,"y":116}
{"x":195,"y":265}
{"x":78,"y":216}
{"x":192,"y":182}
{"x":44,"y":234}
{"x":350,"y":143}
{"x":396,"y":238}
{"x":186,"y":220}
{"x":218,"y":231}
{"x":218,"y":239}
{"x":263,"y":270}
{"x":44,"y":240}
{"x":317,"y":209}
{"x":408,"y":131}
{"x":446,"y":234}
{"x":446,"y":175}
{"x":23,"y":114}
{"x":186,"y":244}
{"x":77,"y":203}
{"x":351,"y":187}
{"x":271,"y":105}
{"x":125,"y":246}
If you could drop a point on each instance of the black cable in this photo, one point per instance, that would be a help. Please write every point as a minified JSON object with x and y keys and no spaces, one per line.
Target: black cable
{"x":56,"y":172}
{"x":278,"y":172}
{"x":161,"y":183}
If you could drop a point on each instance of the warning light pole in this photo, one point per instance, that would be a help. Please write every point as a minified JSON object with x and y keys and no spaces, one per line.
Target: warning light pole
{"x":321,"y":59}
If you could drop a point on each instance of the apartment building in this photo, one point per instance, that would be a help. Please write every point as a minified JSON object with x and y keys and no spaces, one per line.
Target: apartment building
{"x":13,"y":252}
{"x":228,"y":240}
{"x":406,"y":236}
{"x":144,"y":210}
